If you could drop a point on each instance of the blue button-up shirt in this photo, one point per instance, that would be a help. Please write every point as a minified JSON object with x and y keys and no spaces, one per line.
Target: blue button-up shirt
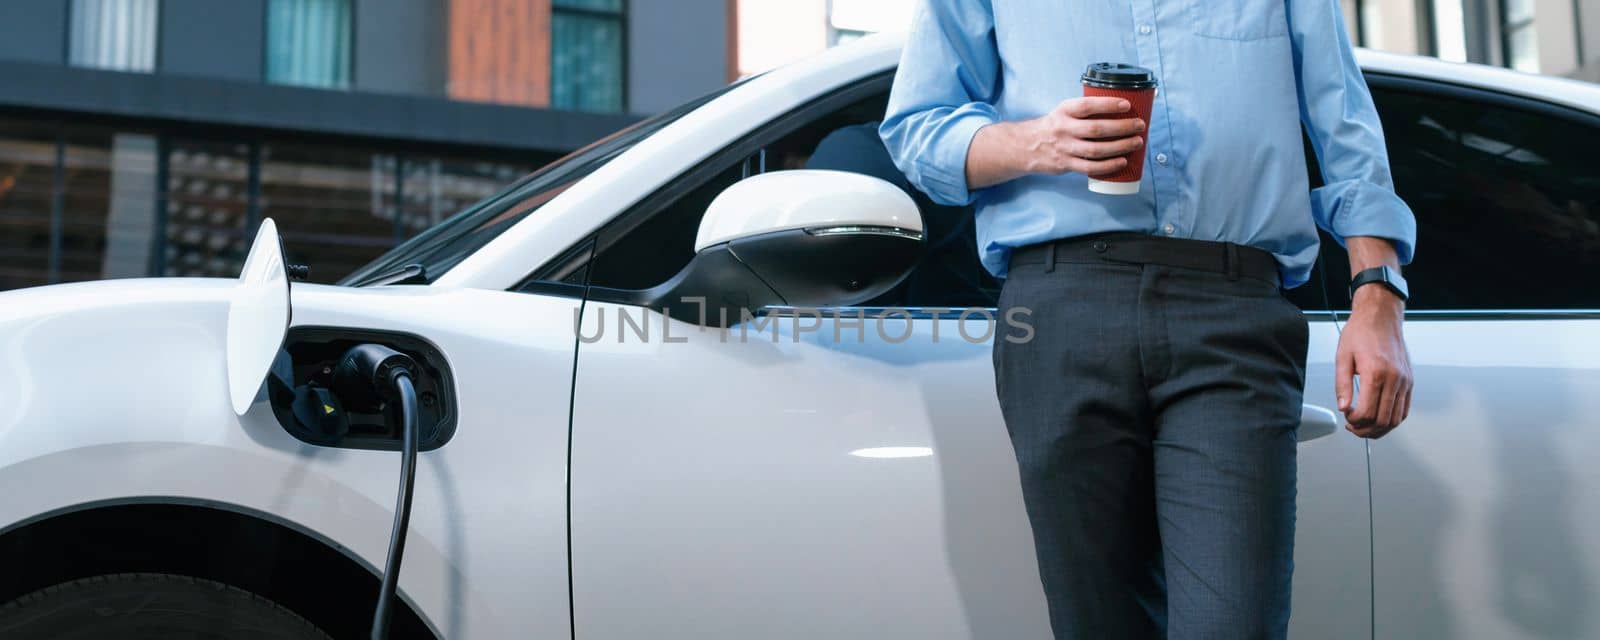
{"x":1224,"y":160}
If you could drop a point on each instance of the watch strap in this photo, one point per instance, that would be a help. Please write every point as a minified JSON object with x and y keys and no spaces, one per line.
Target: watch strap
{"x":1380,"y":275}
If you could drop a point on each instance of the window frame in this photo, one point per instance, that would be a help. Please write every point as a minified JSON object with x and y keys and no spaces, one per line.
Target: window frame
{"x":1509,"y":27}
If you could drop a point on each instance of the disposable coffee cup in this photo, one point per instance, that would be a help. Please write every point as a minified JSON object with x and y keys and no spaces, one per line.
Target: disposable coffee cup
{"x":1137,"y":85}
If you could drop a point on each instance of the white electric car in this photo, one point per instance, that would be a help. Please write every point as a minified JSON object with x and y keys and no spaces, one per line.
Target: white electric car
{"x":595,"y":465}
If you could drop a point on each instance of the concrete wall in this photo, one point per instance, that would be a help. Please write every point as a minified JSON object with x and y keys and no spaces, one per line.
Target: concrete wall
{"x":399,"y":46}
{"x":33,"y":30}
{"x":213,"y":39}
{"x":676,"y":51}
{"x":1556,"y":24}
{"x":1394,"y":25}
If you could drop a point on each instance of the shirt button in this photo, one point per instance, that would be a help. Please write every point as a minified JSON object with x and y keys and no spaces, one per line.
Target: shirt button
{"x":1161,"y":158}
{"x":1168,"y":229}
{"x":1144,"y":29}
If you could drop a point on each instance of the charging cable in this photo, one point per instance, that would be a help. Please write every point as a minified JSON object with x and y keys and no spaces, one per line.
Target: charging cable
{"x":370,"y":375}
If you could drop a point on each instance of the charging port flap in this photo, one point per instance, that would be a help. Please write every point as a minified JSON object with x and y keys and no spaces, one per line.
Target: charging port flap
{"x":258,"y":316}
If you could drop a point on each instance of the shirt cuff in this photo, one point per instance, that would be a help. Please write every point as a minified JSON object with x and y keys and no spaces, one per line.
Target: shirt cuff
{"x":1357,"y":208}
{"x":943,"y":163}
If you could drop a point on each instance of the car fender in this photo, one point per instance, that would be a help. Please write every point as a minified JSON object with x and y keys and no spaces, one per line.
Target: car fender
{"x":117,"y":391}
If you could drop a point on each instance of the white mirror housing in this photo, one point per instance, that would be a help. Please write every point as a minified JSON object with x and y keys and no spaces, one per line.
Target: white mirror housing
{"x":807,"y":199}
{"x":792,"y":238}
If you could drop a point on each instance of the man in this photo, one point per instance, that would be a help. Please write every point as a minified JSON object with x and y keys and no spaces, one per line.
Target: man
{"x":1154,"y":412}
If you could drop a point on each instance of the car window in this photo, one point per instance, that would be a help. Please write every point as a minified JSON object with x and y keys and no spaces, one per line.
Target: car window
{"x":1507,"y":202}
{"x":648,"y":247}
{"x":1506,"y":198}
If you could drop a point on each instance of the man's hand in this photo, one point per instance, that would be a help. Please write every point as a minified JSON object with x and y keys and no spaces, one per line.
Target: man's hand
{"x":1373,"y":347}
{"x":1063,"y":141}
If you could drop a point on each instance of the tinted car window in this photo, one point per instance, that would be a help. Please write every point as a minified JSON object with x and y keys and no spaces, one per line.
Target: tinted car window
{"x":1507,"y":203}
{"x":1506,"y":198}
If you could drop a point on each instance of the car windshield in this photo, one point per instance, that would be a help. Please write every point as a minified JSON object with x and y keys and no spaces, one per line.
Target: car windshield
{"x":452,"y":240}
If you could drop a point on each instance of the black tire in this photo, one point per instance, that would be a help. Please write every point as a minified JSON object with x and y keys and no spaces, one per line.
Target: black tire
{"x":149,"y":606}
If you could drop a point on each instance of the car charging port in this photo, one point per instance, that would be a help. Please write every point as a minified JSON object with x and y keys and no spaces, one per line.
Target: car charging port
{"x":312,"y":405}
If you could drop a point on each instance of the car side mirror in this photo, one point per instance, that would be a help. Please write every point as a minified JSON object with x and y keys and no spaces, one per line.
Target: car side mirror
{"x":804,"y":238}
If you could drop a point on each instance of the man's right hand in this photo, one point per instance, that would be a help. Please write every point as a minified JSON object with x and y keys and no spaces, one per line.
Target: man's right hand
{"x":1066,"y":140}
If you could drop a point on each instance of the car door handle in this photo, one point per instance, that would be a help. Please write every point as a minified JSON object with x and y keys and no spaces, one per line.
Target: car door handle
{"x":1316,"y":422}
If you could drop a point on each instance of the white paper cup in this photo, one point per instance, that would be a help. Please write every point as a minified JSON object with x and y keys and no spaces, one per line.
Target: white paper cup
{"x":1114,"y":188}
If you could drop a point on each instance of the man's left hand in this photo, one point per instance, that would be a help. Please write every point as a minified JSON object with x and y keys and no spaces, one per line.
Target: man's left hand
{"x":1373,"y":347}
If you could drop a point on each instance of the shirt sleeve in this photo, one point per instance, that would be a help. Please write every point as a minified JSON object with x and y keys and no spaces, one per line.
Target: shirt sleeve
{"x":948,"y":76}
{"x":1358,"y":197}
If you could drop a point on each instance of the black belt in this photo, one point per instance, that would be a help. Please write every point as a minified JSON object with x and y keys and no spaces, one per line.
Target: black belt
{"x":1227,"y":258}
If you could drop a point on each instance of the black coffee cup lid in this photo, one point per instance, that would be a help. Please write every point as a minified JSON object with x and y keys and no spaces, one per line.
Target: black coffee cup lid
{"x":1117,"y":75}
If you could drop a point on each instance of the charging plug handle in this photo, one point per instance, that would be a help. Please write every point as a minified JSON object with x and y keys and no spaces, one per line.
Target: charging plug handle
{"x":365,"y":377}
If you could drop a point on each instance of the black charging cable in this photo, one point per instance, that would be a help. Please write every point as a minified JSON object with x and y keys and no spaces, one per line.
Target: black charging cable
{"x":371,"y":375}
{"x":402,"y":511}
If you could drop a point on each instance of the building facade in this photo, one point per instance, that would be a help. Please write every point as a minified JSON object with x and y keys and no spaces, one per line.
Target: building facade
{"x":1552,"y":37}
{"x":150,"y":137}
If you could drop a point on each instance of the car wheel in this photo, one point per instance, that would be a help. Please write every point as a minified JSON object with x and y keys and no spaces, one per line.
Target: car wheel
{"x":147,"y":606}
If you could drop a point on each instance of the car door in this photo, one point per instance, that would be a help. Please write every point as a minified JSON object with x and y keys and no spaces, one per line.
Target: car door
{"x":784,"y":482}
{"x":1486,"y":500}
{"x":845,"y":475}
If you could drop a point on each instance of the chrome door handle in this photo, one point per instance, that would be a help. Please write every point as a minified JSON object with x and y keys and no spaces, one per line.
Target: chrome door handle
{"x":1316,"y":422}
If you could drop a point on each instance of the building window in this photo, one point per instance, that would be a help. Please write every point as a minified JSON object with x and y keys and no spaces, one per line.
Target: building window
{"x":87,"y":202}
{"x":308,"y":43}
{"x":586,"y":67}
{"x":1520,"y":42}
{"x":27,"y":202}
{"x":206,"y":221}
{"x":332,"y":203}
{"x":76,"y":203}
{"x":119,"y":35}
{"x":108,"y":204}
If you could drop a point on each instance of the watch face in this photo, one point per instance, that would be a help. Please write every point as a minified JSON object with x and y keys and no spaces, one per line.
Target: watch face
{"x":1393,"y":279}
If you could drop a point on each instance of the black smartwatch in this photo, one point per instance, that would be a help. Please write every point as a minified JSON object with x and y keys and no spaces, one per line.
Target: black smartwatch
{"x":1385,"y":276}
